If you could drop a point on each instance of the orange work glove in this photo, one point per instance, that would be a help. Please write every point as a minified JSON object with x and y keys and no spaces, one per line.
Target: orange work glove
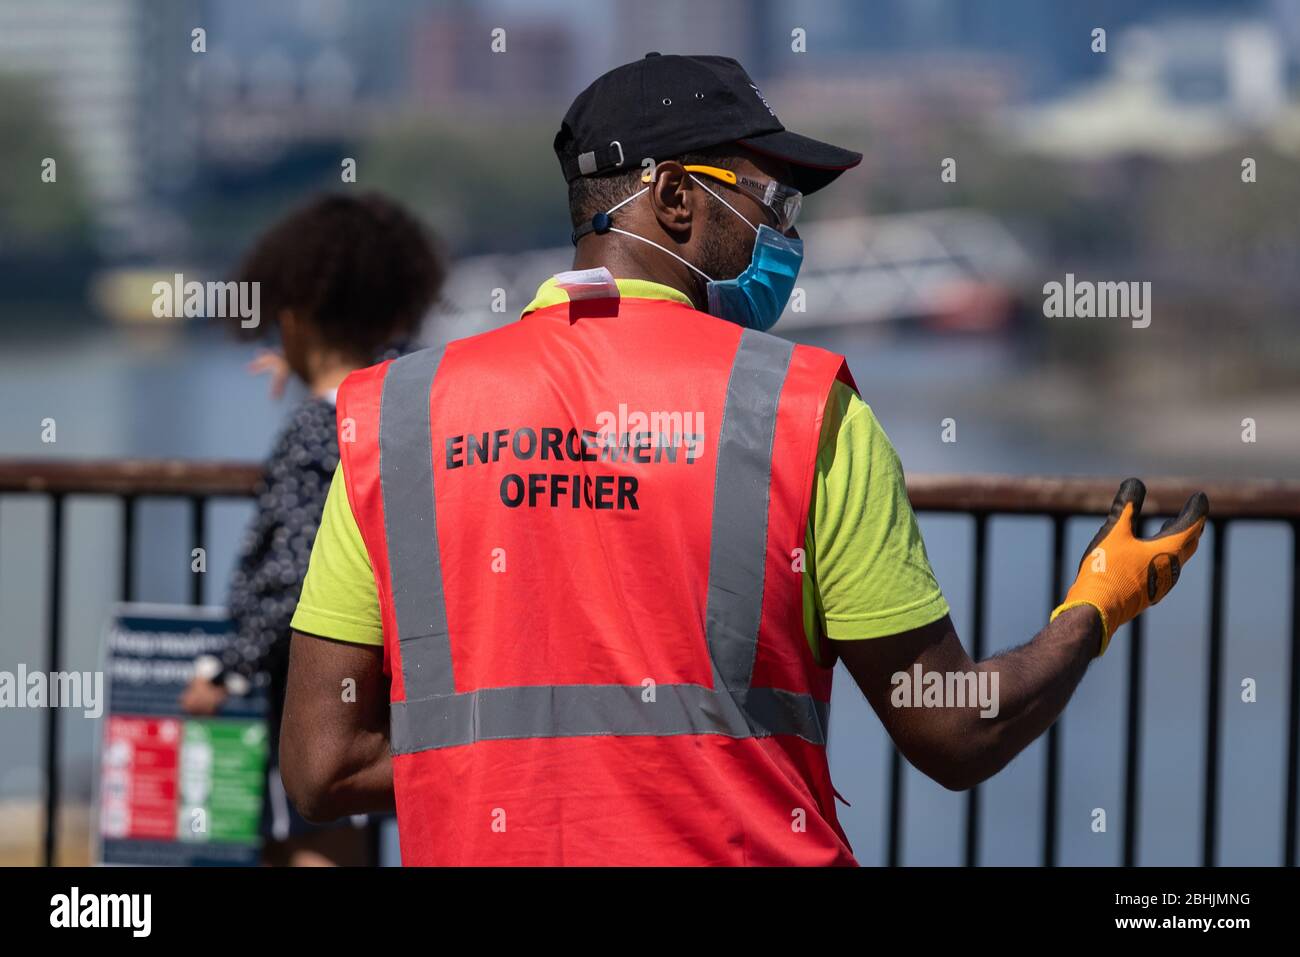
{"x":1122,"y":575}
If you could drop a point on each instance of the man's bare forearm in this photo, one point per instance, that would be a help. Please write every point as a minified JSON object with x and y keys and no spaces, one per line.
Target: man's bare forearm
{"x":1034,"y":683}
{"x":997,"y":707}
{"x":334,"y":749}
{"x":360,"y":782}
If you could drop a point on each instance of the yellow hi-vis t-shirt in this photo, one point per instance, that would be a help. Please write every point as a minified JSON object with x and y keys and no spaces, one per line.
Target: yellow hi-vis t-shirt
{"x":867,"y":574}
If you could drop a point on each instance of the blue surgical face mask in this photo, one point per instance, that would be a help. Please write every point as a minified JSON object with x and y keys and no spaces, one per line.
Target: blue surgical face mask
{"x":756,"y":298}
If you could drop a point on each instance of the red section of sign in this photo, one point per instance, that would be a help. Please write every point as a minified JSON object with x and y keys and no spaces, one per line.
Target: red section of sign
{"x":140,"y":768}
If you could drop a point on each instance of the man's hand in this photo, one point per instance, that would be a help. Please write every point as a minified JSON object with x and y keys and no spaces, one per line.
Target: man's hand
{"x":1122,"y":575}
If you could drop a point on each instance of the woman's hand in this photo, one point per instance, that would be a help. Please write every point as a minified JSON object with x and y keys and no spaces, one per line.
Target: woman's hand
{"x":270,"y":362}
{"x":202,"y":697}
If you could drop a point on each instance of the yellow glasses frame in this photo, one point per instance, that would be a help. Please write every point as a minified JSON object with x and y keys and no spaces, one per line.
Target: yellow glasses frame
{"x":783,"y":201}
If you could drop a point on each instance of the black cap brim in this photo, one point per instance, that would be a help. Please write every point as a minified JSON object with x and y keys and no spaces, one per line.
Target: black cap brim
{"x":814,"y":164}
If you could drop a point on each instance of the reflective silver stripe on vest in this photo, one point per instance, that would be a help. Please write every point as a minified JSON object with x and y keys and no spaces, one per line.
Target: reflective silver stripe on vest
{"x":411,"y":524}
{"x":738,"y":552}
{"x":434,"y":716}
{"x":569,"y":711}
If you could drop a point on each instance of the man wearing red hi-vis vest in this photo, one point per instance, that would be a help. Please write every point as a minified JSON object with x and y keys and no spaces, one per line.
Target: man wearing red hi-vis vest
{"x":583,"y":578}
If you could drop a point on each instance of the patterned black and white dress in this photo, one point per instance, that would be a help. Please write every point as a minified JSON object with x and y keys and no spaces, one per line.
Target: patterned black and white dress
{"x":277,"y":544}
{"x":267,"y":580}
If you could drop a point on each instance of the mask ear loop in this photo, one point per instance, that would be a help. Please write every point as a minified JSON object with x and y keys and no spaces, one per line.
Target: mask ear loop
{"x":600,"y":223}
{"x":664,"y":249}
{"x":725,"y":203}
{"x":650,"y":242}
{"x":643,"y":189}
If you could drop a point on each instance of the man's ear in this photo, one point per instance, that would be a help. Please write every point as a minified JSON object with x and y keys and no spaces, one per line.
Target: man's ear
{"x":674,"y":202}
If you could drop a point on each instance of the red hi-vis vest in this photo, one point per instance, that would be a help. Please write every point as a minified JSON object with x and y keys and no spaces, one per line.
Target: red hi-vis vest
{"x":586,"y":530}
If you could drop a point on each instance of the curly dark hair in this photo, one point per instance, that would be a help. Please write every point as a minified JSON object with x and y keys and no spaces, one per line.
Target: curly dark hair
{"x":361,"y":269}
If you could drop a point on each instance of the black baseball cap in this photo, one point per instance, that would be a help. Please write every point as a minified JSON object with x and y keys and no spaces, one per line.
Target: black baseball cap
{"x":663,"y":106}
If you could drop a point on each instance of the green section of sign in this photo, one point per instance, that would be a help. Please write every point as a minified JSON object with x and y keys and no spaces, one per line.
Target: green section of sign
{"x":222,"y":773}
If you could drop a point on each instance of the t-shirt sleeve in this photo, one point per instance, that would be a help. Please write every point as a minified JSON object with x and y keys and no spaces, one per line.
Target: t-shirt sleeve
{"x":339,"y":599}
{"x":869,"y":573}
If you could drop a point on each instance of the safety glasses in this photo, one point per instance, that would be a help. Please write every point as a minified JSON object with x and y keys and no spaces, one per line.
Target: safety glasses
{"x":783,"y":201}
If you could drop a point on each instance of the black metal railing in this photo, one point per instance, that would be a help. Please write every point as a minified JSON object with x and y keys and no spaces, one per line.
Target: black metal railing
{"x":129,"y":482}
{"x":980,"y":497}
{"x":1060,"y":500}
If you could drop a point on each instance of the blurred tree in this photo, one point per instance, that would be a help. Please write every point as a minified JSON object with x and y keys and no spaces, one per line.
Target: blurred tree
{"x":487,"y":184}
{"x":1201,"y":214}
{"x":36,"y":218}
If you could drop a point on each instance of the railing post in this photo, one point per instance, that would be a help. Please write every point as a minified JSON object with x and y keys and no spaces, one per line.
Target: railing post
{"x":977,"y":652}
{"x":1052,"y":763}
{"x":54,"y":664}
{"x":1132,"y":756}
{"x":1293,"y":707}
{"x":128,"y":547}
{"x":894,"y":838}
{"x":198,"y":533}
{"x":1133,"y":737}
{"x":1212,"y":696}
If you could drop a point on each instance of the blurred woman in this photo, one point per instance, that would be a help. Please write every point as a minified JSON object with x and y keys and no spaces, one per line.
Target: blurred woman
{"x":345,"y":282}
